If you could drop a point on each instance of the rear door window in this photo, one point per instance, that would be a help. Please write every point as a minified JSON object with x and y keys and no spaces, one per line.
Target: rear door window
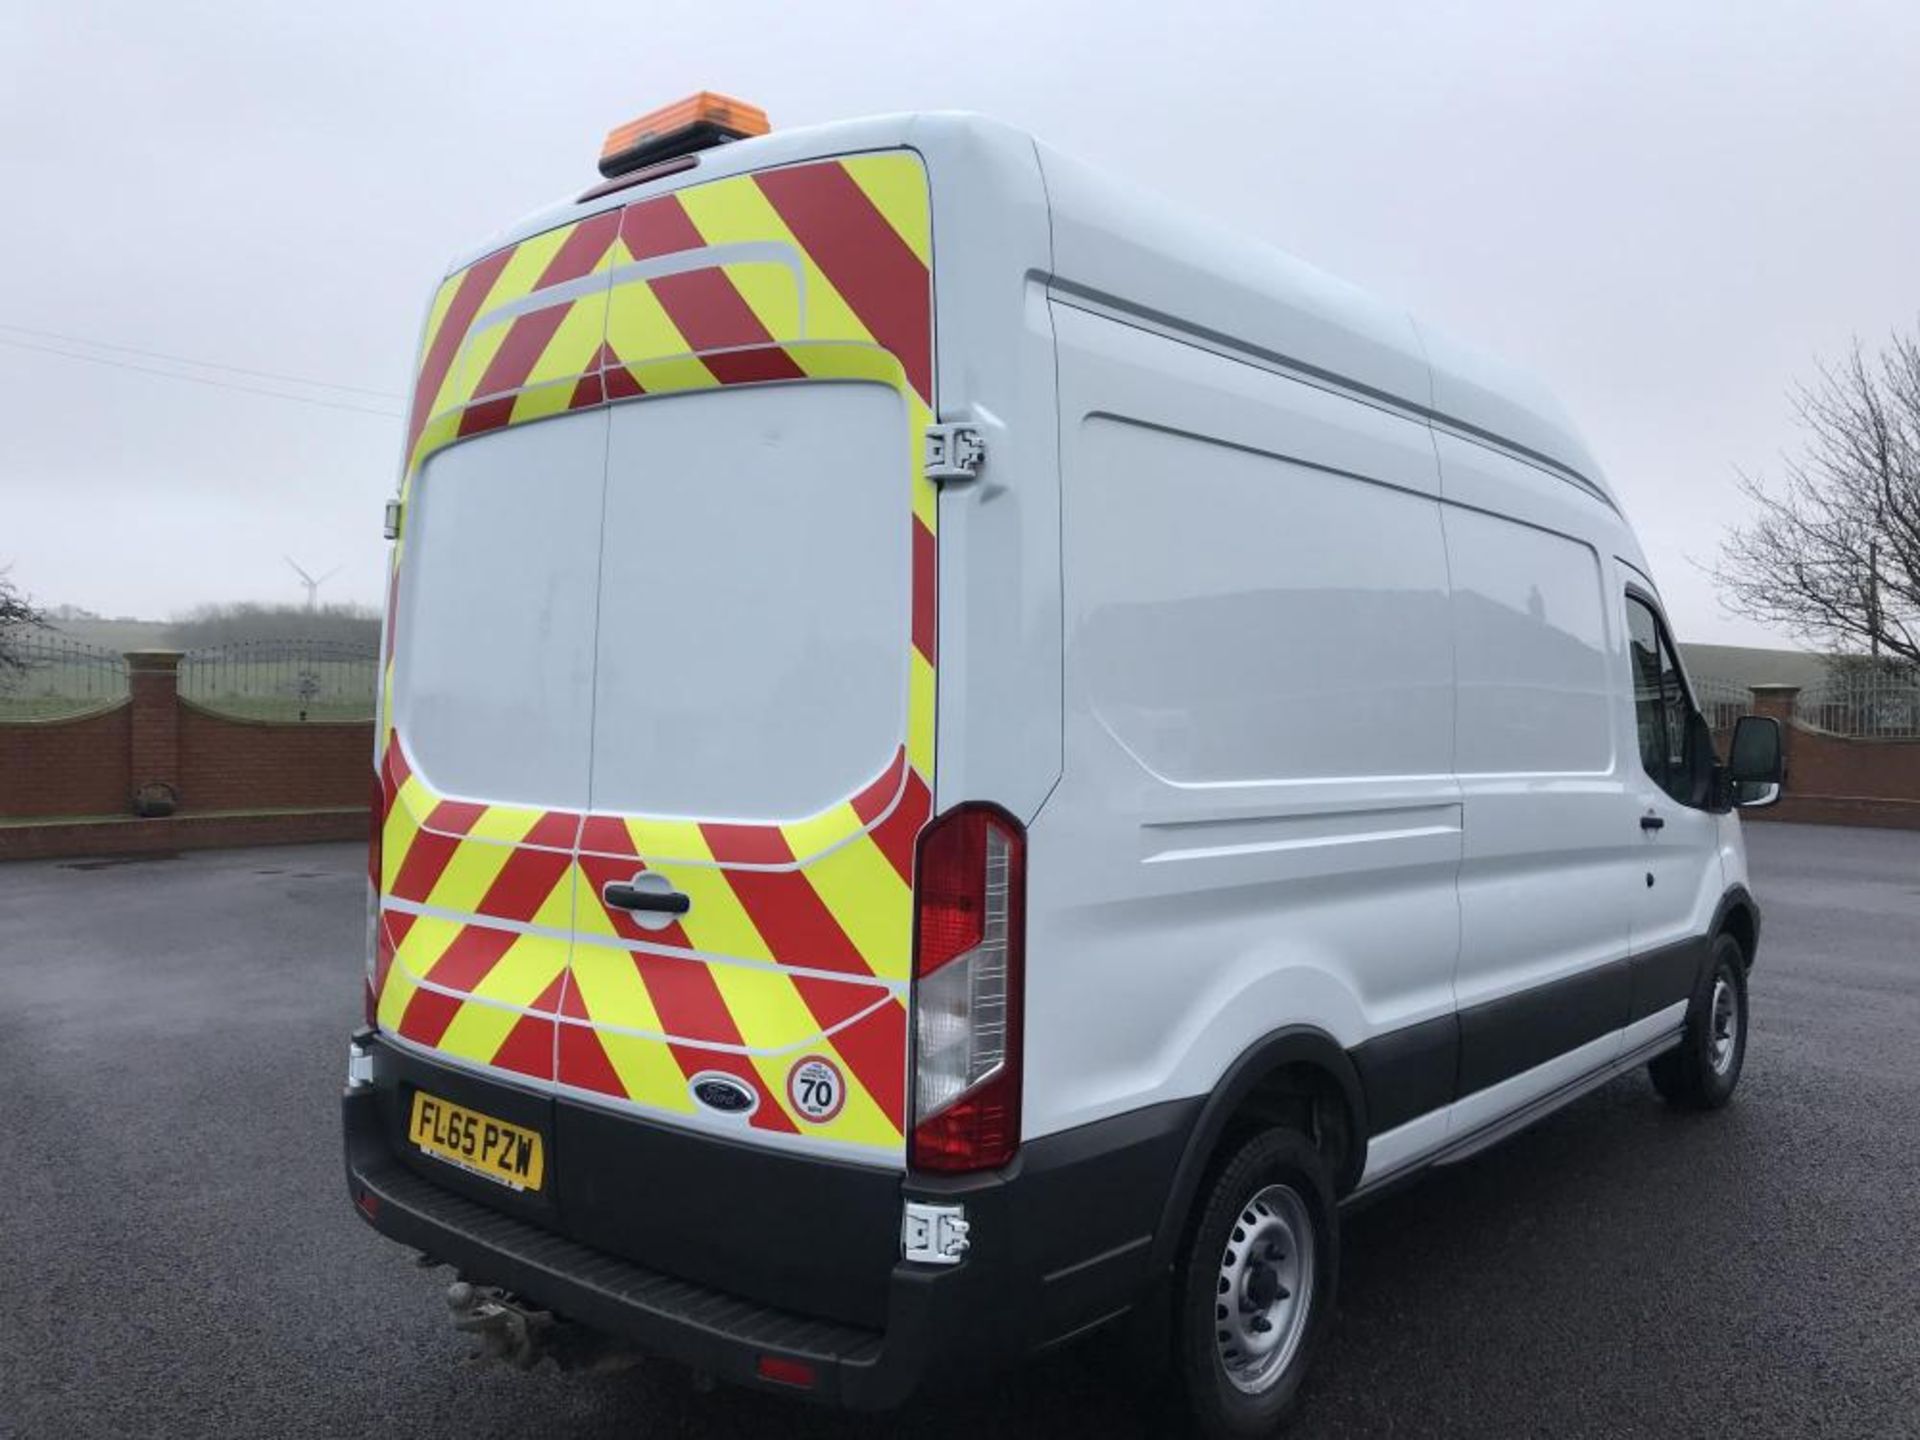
{"x":755,"y":601}
{"x":494,"y":642}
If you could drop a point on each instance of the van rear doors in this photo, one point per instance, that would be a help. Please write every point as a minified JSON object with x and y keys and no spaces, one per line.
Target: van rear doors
{"x":659,"y":734}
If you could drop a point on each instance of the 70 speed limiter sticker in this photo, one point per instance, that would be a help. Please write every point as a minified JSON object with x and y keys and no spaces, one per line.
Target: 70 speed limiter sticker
{"x":816,"y":1089}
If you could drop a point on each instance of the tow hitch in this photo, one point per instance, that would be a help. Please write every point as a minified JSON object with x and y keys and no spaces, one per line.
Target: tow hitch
{"x":511,"y":1330}
{"x":507,"y":1329}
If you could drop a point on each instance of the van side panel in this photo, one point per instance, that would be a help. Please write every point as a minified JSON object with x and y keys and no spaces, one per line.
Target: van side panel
{"x":1120,"y":245}
{"x":1550,"y":861}
{"x":1546,"y":884}
{"x":1256,"y":612}
{"x":999,"y":610}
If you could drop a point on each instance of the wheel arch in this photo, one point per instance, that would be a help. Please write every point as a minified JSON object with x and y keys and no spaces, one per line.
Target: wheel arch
{"x":1272,"y":1067}
{"x":1737,"y":915}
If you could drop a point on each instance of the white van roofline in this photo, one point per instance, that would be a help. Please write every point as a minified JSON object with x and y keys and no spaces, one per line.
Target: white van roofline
{"x":1121,"y":248}
{"x":1126,"y":248}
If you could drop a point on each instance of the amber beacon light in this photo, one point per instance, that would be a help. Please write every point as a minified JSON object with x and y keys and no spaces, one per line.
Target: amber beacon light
{"x":698,"y":122}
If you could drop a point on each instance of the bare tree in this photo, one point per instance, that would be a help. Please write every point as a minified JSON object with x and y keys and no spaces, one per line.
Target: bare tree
{"x":1833,"y":551}
{"x":18,"y":615}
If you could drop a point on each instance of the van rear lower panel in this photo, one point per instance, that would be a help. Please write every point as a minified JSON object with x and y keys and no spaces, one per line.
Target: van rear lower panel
{"x":785,"y":1256}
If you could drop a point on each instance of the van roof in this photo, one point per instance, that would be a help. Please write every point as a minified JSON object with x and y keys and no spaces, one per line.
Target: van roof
{"x":1117,"y":246}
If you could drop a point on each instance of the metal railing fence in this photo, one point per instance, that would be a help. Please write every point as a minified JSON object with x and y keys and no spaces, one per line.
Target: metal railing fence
{"x":47,"y":676}
{"x":283,"y":679}
{"x":1863,"y":705}
{"x":1722,"y":702}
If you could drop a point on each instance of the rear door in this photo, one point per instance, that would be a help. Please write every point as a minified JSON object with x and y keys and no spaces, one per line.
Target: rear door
{"x":487,"y":696}
{"x":763,"y":706}
{"x":486,"y":765}
{"x":749,"y":753}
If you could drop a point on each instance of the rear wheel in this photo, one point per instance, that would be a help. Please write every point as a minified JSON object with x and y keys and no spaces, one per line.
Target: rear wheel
{"x":1256,"y":1284}
{"x":1702,"y":1073}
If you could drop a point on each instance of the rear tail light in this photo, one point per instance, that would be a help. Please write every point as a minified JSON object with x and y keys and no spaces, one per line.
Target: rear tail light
{"x":376,"y":825}
{"x":969,"y":974}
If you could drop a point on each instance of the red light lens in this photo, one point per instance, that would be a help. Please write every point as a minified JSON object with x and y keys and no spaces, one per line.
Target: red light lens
{"x":782,"y":1370}
{"x":950,"y":885}
{"x":979,"y":1131}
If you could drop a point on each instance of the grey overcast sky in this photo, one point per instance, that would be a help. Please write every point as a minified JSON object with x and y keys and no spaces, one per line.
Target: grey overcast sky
{"x":1669,"y":210}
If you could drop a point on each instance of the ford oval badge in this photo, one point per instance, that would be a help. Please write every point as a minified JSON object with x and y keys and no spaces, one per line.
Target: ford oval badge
{"x":719,"y":1091}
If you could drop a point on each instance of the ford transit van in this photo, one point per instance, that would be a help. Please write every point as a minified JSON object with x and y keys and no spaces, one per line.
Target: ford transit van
{"x":965,"y":757}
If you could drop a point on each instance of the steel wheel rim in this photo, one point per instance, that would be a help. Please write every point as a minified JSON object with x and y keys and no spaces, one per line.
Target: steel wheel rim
{"x":1264,"y":1290}
{"x":1723,"y":1025}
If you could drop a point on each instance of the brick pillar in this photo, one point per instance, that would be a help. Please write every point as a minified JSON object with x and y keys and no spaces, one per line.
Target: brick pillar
{"x":1776,"y":701}
{"x":153,"y":769}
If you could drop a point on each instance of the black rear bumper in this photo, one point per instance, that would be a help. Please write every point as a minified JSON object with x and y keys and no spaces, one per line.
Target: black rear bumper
{"x":1061,"y":1240}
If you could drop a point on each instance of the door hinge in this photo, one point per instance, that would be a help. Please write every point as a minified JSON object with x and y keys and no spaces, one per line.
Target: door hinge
{"x":954,"y":452}
{"x":934,"y":1234}
{"x":390,"y":520}
{"x":359,"y":1065}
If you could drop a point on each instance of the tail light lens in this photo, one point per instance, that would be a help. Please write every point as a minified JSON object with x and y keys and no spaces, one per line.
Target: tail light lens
{"x":784,"y":1370}
{"x":376,"y":826}
{"x":969,"y":975}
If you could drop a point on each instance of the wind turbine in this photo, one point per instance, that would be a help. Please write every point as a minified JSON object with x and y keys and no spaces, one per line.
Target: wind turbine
{"x":313,"y":585}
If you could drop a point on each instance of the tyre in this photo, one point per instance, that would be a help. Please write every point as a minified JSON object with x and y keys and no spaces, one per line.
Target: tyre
{"x":1255,"y":1285}
{"x":1702,"y":1072}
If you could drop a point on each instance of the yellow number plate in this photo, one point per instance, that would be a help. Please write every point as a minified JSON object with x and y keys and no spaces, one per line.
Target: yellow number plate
{"x":510,"y":1154}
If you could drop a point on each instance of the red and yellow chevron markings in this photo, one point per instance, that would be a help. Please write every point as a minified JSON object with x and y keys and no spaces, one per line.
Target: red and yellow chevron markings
{"x":494,"y":946}
{"x":472,"y":947}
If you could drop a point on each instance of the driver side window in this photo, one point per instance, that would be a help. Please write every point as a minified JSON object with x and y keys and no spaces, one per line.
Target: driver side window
{"x":1670,"y":734}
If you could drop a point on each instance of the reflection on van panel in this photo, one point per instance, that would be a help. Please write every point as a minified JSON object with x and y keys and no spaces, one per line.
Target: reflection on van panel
{"x":1530,"y":647}
{"x":1228,"y":653}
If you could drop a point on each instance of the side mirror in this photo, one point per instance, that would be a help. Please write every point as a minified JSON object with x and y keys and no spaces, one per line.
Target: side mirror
{"x":1755,"y":762}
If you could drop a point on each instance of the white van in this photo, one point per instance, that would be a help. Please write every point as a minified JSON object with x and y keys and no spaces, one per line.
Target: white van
{"x":965,"y":756}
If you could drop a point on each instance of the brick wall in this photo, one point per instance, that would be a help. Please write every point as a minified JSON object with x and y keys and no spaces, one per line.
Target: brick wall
{"x":250,"y":764}
{"x":68,"y":787}
{"x":1832,"y":780}
{"x":66,"y":767}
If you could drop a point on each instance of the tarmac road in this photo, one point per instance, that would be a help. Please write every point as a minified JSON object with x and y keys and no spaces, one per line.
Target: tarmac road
{"x":178,"y":1257}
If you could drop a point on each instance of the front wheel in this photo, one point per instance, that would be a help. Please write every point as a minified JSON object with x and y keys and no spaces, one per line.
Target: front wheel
{"x":1256,"y":1285}
{"x":1702,"y":1072}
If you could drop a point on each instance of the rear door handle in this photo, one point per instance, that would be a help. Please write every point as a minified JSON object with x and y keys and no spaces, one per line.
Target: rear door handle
{"x":1652,"y":822}
{"x":659,"y":902}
